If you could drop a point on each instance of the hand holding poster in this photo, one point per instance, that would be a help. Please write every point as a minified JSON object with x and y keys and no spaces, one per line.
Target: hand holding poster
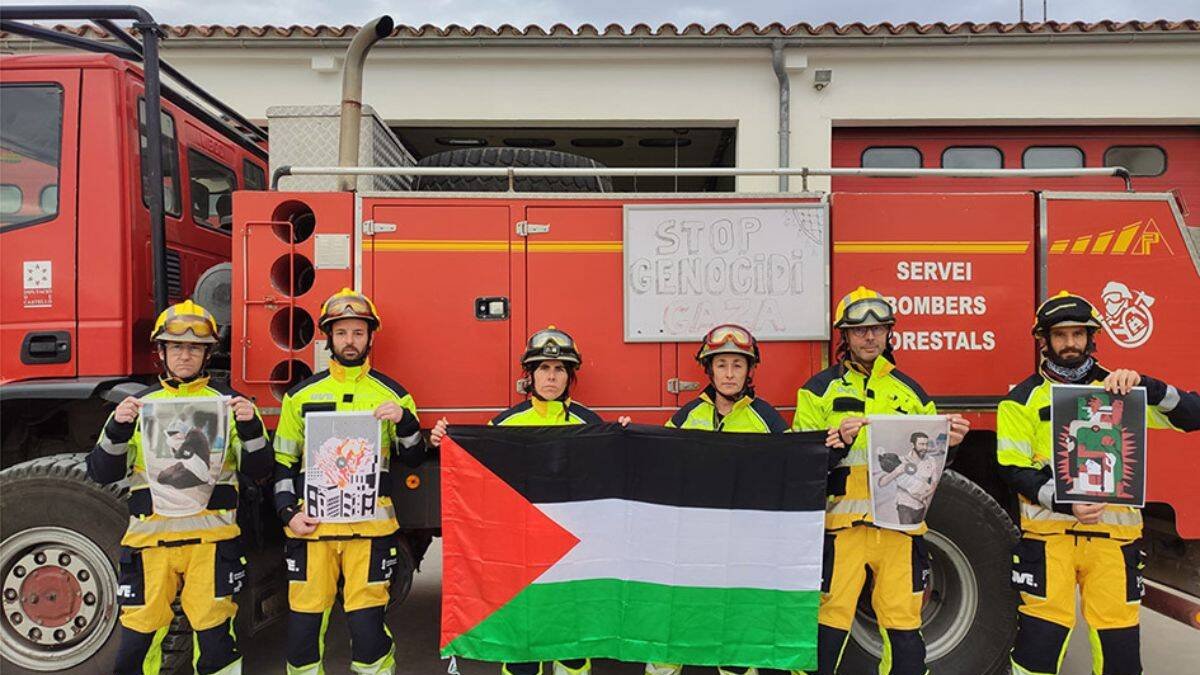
{"x":1099,"y":445}
{"x":906,"y":455}
{"x":185,"y":441}
{"x":341,"y":466}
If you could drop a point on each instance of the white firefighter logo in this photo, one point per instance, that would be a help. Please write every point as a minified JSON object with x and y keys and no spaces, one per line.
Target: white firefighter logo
{"x":1127,"y":317}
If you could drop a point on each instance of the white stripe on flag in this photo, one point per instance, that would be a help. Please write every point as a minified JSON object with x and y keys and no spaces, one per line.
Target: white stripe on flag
{"x":699,"y":547}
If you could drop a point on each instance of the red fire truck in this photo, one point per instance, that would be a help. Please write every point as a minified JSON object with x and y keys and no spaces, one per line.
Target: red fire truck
{"x":463,"y":277}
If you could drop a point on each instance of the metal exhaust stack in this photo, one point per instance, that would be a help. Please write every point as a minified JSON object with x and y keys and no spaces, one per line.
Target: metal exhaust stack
{"x":352,"y":86}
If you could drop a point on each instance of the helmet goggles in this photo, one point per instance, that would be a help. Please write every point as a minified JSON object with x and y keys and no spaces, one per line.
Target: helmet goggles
{"x":867,"y":312}
{"x":178,"y":326}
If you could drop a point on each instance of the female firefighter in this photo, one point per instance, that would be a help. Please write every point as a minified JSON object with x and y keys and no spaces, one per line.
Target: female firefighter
{"x":550,"y":361}
{"x":729,"y":355}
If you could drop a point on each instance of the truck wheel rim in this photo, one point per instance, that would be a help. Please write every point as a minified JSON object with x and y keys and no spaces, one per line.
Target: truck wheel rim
{"x":951,"y":601}
{"x":58,"y":595}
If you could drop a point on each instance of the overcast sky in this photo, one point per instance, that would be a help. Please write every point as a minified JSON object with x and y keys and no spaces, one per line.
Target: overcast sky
{"x":629,"y":12}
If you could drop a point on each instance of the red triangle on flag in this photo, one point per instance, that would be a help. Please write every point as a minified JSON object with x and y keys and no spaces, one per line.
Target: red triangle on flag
{"x":494,"y":542}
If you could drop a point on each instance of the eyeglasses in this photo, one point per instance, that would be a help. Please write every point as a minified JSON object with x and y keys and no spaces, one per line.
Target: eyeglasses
{"x":863,"y":331}
{"x":861,"y":310}
{"x":181,"y":325}
{"x":185,"y":348}
{"x":730,"y":333}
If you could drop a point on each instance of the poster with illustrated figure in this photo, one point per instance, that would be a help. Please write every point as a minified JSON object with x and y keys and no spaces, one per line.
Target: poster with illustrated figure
{"x":341,"y":466}
{"x":1099,"y":445}
{"x":184,"y":442}
{"x":905,"y":457}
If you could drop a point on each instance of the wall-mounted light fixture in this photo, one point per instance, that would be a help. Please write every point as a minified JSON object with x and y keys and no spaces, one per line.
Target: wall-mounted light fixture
{"x":822,"y":79}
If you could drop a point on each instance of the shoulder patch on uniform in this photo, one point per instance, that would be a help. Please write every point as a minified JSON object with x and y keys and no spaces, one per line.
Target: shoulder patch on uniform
{"x":912,"y":384}
{"x":1022,"y":392}
{"x":303,"y":384}
{"x":388,"y":382}
{"x":770,"y":415}
{"x":818,"y":383}
{"x":584,"y":413}
{"x":682,"y":414}
{"x":516,"y":409}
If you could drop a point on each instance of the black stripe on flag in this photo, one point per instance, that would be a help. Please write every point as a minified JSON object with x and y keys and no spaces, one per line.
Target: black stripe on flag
{"x":676,"y":467}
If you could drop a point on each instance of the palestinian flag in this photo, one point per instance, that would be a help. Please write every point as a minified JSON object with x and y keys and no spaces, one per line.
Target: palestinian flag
{"x":637,"y":544}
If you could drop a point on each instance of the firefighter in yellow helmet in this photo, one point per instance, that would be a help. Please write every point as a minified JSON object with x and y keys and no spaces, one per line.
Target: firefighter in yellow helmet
{"x":170,"y":538}
{"x":729,"y":354}
{"x":865,"y":381}
{"x":550,"y":361}
{"x":365,"y":554}
{"x":1096,"y":547}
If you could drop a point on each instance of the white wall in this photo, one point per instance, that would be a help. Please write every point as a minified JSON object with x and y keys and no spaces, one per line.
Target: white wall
{"x":1150,"y":83}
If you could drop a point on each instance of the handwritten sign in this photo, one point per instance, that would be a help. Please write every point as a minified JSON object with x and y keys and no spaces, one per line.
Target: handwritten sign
{"x":689,"y":268}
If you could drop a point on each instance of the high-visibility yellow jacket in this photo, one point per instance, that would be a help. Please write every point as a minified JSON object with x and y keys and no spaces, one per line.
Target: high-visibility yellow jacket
{"x":749,"y":415}
{"x":341,"y":388}
{"x":120,"y":453}
{"x":1024,"y":447}
{"x":845,"y":390}
{"x":538,"y":413}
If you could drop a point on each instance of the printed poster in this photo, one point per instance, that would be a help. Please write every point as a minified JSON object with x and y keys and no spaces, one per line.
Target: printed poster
{"x":906,"y":455}
{"x":1099,"y":445}
{"x":185,"y":441}
{"x":341,"y":466}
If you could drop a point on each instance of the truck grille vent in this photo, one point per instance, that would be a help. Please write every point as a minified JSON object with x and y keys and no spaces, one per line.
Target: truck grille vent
{"x":174,"y":276}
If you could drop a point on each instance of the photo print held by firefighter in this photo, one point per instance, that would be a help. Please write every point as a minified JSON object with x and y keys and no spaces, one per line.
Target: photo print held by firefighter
{"x":906,"y":455}
{"x":185,"y":447}
{"x":341,"y":466}
{"x":1099,"y":445}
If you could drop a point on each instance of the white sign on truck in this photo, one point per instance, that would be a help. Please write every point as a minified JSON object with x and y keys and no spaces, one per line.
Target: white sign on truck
{"x":691,"y":267}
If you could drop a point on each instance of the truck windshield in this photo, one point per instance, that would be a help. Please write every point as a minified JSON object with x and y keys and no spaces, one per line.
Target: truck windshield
{"x":30,"y":146}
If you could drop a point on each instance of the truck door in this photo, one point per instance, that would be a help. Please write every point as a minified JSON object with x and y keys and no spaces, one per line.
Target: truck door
{"x":38,"y":223}
{"x":574,"y":280}
{"x":959,"y":270}
{"x":1134,"y":258}
{"x":439,"y":273}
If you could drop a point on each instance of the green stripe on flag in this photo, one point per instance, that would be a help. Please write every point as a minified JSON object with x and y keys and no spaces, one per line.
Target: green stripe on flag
{"x":638,"y":622}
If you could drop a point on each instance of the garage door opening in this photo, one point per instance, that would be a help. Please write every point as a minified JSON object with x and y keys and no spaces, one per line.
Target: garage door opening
{"x":611,"y":146}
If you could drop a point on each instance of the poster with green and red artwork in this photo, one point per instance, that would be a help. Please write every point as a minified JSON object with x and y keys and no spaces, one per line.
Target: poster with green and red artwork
{"x":1099,"y":445}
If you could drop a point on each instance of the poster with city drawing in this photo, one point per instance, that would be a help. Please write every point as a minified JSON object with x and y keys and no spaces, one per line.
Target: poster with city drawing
{"x":341,"y":466}
{"x":905,"y":457}
{"x":1099,"y":445}
{"x":184,"y":443}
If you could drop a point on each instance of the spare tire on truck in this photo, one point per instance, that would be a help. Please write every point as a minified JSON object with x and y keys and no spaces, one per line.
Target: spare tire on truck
{"x":970,"y":614}
{"x":523,"y":157}
{"x":59,"y":543}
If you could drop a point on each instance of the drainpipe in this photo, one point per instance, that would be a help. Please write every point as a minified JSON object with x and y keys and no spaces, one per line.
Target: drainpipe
{"x":351,"y":117}
{"x":785,"y":96}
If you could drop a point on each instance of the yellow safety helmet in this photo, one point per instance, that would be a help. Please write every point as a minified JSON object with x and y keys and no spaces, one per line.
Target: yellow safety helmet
{"x":863,"y":307}
{"x":185,"y":322}
{"x":1065,"y":309}
{"x":348,"y":304}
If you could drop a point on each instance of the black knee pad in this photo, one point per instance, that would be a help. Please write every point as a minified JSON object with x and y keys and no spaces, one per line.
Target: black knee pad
{"x":527,"y":668}
{"x":369,"y":642}
{"x":218,"y":648}
{"x":131,"y":653}
{"x":740,"y":670}
{"x":574,"y":664}
{"x":829,"y":648}
{"x":908,"y":652}
{"x":1039,"y":644}
{"x":304,"y":638}
{"x":1122,"y":650}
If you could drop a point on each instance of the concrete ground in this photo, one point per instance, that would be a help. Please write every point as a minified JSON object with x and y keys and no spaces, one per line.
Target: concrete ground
{"x":1167,"y":646}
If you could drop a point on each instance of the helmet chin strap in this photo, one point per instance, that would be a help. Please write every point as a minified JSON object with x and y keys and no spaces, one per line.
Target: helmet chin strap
{"x":349,"y":363}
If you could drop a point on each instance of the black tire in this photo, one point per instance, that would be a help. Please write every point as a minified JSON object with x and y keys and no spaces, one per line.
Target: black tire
{"x":517,"y":157}
{"x":966,"y":518}
{"x":54,"y":492}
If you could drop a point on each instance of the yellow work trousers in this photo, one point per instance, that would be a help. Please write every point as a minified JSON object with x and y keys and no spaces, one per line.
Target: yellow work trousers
{"x":1108,"y":572}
